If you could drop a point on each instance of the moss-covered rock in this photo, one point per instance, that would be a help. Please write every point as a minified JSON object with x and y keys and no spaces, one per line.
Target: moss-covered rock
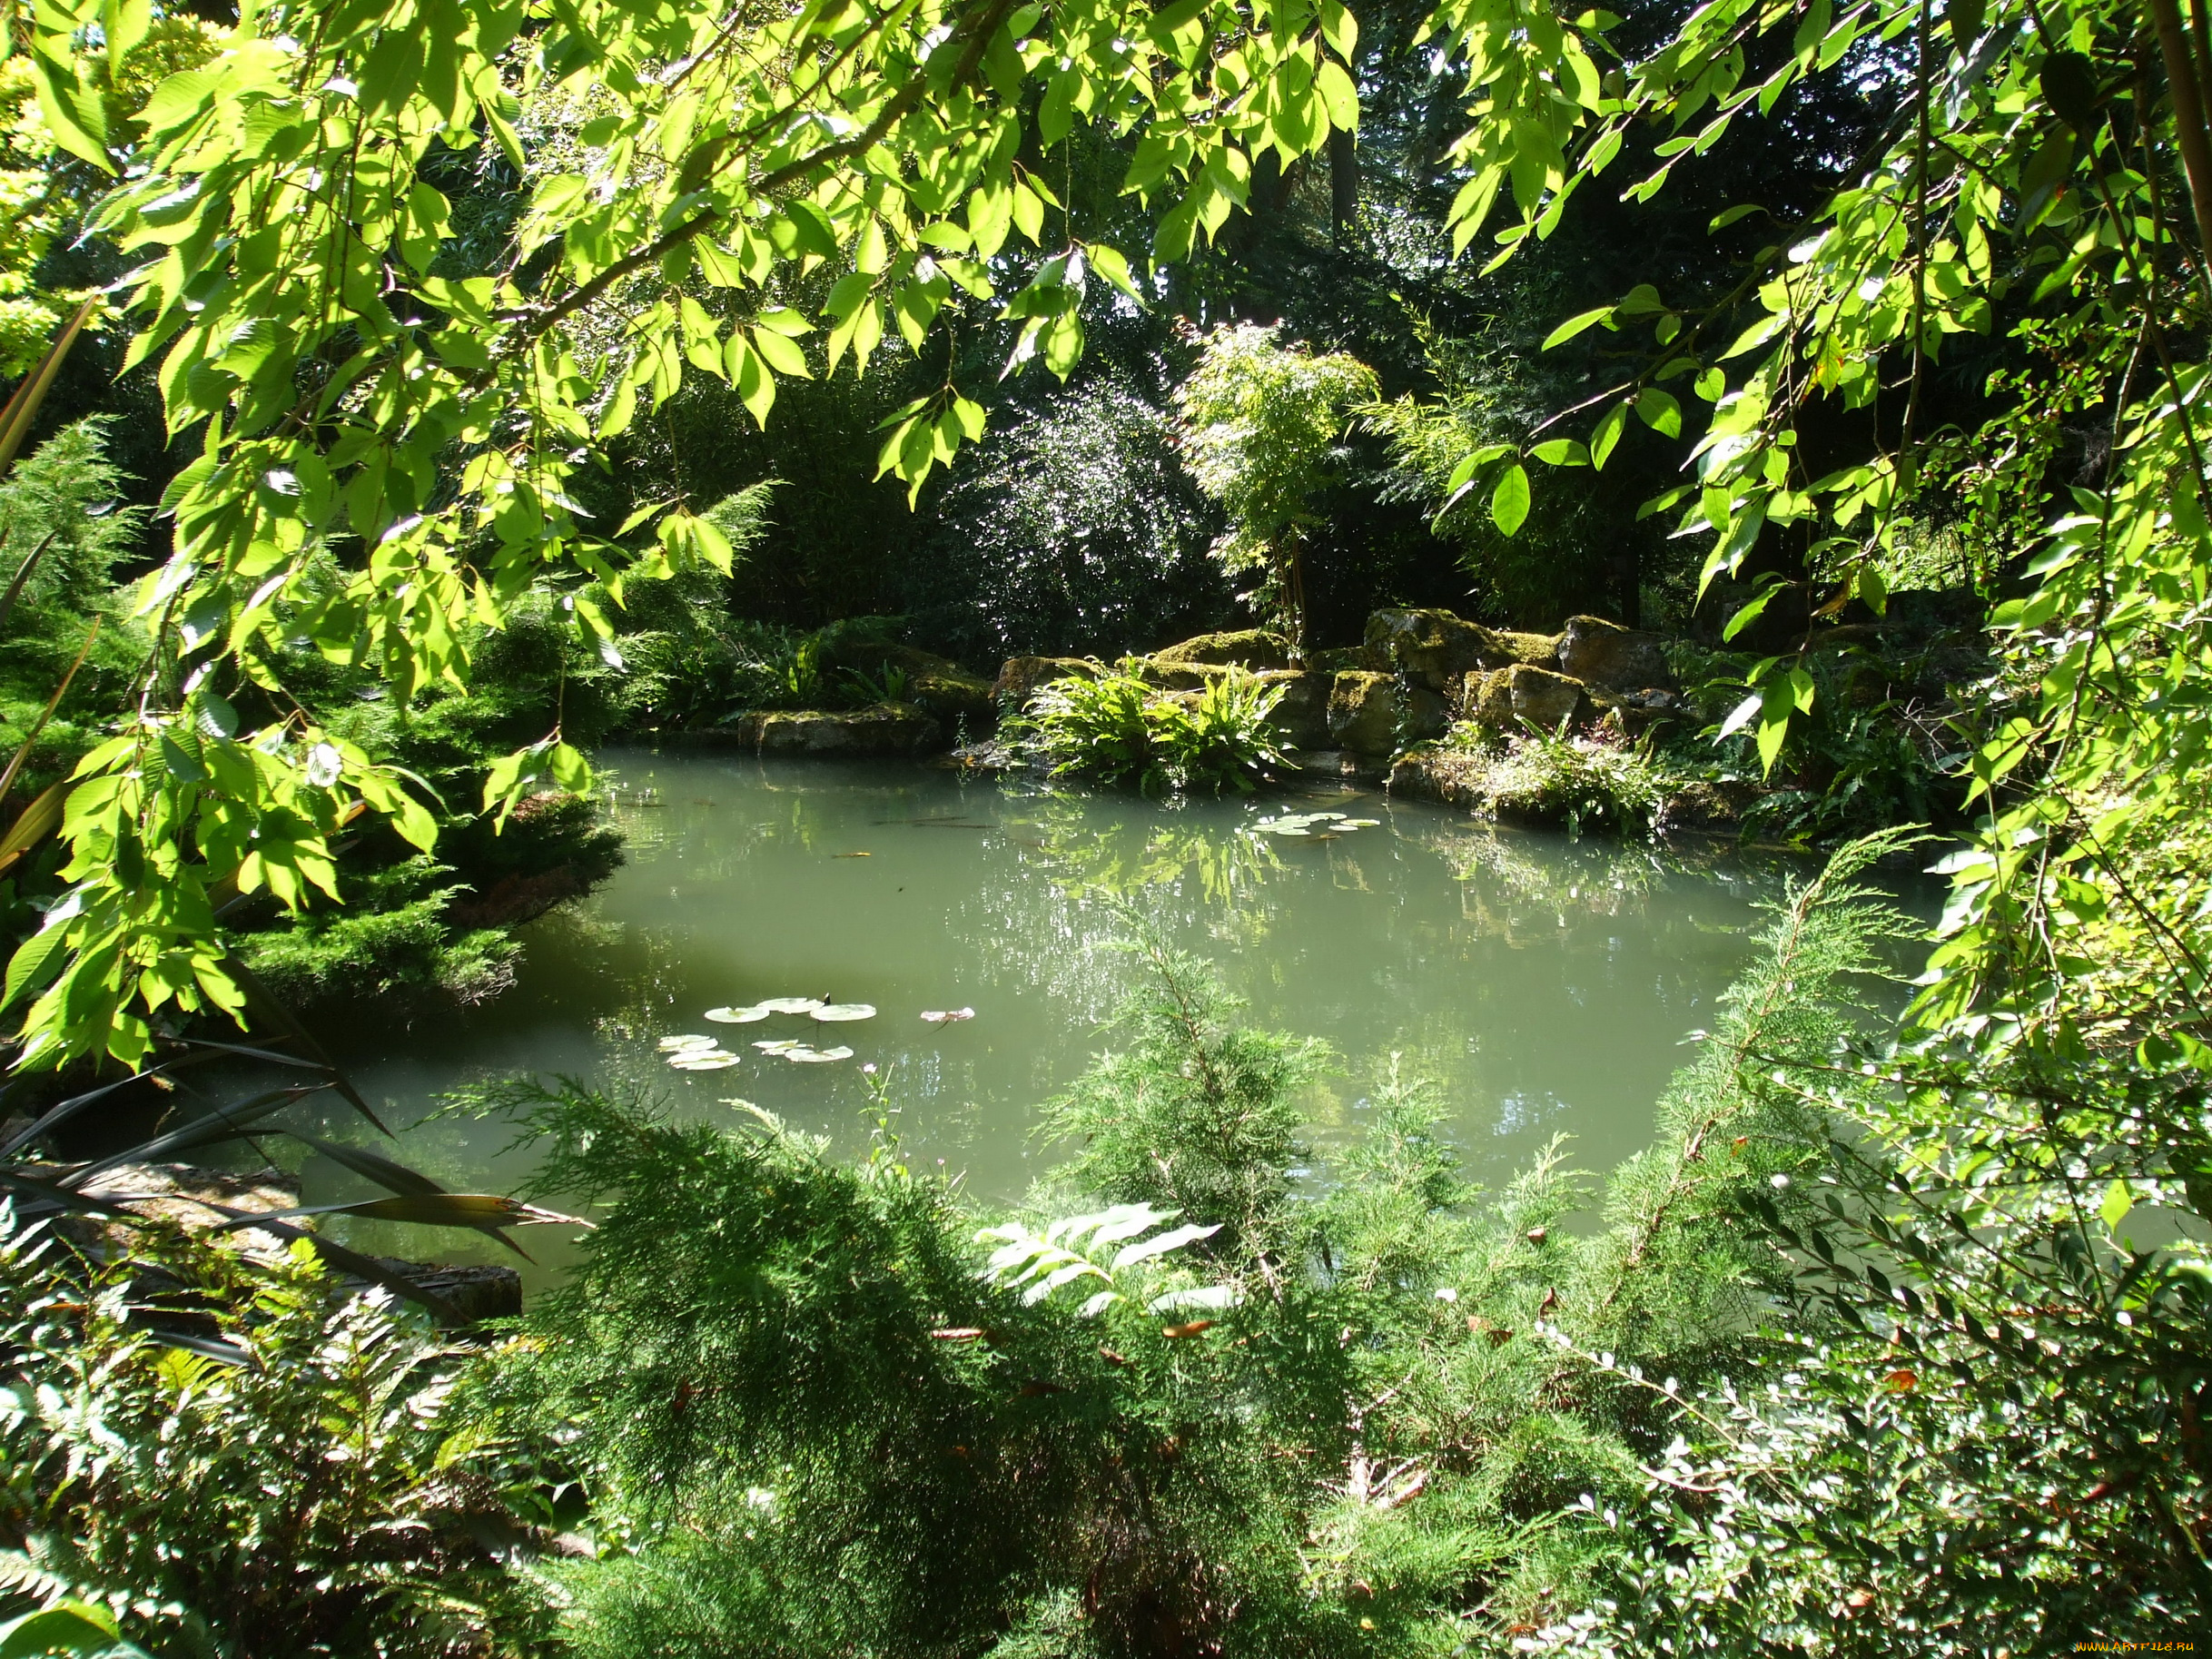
{"x":1438,"y":649}
{"x":1358,"y":659}
{"x":1363,"y":713}
{"x":1251,"y":648}
{"x":1182,"y":676}
{"x":1020,"y":676}
{"x":1612,"y":658}
{"x":1302,"y":715}
{"x":887,"y":728}
{"x":1512,"y":699}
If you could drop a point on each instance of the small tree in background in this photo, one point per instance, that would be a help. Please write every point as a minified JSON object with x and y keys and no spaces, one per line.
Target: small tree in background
{"x":1260,"y":428}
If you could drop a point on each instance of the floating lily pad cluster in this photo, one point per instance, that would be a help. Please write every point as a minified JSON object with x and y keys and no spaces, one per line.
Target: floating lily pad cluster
{"x":694,"y":1053}
{"x":791,"y":1048}
{"x":702,"y":1054}
{"x":828,"y":1013}
{"x":1312,"y":824}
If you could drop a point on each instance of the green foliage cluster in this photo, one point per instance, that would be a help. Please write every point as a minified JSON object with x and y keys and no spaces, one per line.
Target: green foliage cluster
{"x":64,"y":528}
{"x":814,"y":1420}
{"x":289,"y":1476}
{"x":1262,"y":425}
{"x":1805,"y":1379}
{"x":1073,"y":528}
{"x":1598,"y":781}
{"x":395,"y":944}
{"x":1879,"y":744}
{"x":1119,"y":728}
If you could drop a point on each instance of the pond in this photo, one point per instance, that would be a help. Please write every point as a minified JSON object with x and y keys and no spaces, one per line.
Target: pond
{"x":1546,"y":985}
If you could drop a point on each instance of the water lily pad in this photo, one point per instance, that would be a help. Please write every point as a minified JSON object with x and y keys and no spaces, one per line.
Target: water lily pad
{"x":834,"y":1011}
{"x":709,"y":1061}
{"x":778,"y":1046}
{"x":790,"y":1004}
{"x":738,"y":1016}
{"x":799,"y":1052}
{"x":946,"y":1016}
{"x":1359,"y":823}
{"x":688,"y":1040}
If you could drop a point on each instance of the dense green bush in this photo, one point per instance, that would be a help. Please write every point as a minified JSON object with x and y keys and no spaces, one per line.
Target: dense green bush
{"x":1263,"y":424}
{"x":1596,"y":782}
{"x":394,"y":942}
{"x":286,"y":1476}
{"x":1878,"y":745}
{"x":1117,"y":728}
{"x":1073,"y":528}
{"x":63,"y":529}
{"x":1175,"y":1405}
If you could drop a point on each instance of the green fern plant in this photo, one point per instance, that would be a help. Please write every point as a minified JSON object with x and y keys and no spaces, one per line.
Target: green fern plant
{"x":1118,"y":729}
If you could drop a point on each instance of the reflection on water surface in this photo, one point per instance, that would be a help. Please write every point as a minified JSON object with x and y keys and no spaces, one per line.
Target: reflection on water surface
{"x":1545,"y":984}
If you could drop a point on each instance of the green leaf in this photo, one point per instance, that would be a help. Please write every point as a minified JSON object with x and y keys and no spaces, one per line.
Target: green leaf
{"x":74,"y":113}
{"x":1339,"y":29}
{"x":782,"y":354}
{"x":1660,"y":411}
{"x":1562,"y":452}
{"x":2119,"y":1201}
{"x":1610,"y":426}
{"x":1509,"y":501}
{"x":1576,"y":325}
{"x":1338,"y":96}
{"x":1750,"y":613}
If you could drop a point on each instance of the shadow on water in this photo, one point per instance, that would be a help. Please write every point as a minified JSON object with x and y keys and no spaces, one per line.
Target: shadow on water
{"x":1545,"y":984}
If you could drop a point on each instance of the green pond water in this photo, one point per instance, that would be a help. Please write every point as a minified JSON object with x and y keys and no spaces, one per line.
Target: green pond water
{"x":1546,"y":985}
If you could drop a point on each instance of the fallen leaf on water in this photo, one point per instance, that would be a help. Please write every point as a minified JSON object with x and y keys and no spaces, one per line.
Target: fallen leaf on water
{"x":946,"y":1016}
{"x":852,"y":856}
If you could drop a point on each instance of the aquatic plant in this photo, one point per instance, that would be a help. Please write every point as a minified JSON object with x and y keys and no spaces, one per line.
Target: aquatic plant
{"x":1118,"y":728}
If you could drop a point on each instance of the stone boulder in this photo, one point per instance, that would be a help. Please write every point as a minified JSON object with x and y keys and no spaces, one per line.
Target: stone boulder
{"x":1360,"y":658}
{"x":1611,"y":657}
{"x":1363,"y":713}
{"x":1715,"y":806}
{"x":1512,"y":699}
{"x":937,"y":685}
{"x":1442,"y":652}
{"x":200,"y":1200}
{"x":1251,"y":648}
{"x":954,"y":700}
{"x":887,"y":728}
{"x":1184,"y":676}
{"x":1301,"y":718}
{"x":1020,"y":676}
